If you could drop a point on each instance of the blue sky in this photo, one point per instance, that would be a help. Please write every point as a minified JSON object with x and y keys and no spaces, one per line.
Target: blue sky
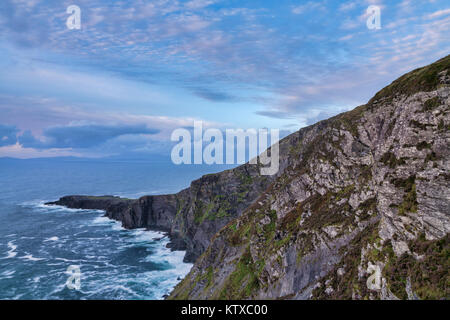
{"x":137,"y":70}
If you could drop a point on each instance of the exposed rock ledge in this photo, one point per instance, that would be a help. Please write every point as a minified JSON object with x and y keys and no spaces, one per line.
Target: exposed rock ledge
{"x":145,"y":212}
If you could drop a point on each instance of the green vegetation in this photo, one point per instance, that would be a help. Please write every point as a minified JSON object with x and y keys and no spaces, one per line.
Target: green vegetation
{"x":431,"y":157}
{"x":180,"y":205}
{"x":370,"y":205}
{"x":419,"y":125}
{"x":239,"y":235}
{"x":409,"y":203}
{"x":217,"y":208}
{"x":349,"y":283}
{"x":233,"y":227}
{"x":282,"y":242}
{"x":349,"y":120}
{"x":325,"y":211}
{"x":297,"y":148}
{"x":246,"y":179}
{"x":270,"y":228}
{"x":366,"y":174}
{"x":243,"y":281}
{"x":391,"y":160}
{"x":202,"y":211}
{"x":428,"y":275}
{"x":245,"y":186}
{"x":422,"y":79}
{"x":209,"y":276}
{"x":431,"y":104}
{"x":423,"y":145}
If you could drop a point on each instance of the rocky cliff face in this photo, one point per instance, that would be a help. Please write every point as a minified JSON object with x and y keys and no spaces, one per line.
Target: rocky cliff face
{"x":361,"y":208}
{"x":192,"y":216}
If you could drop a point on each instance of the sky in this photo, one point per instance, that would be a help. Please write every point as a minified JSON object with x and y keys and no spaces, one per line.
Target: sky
{"x":137,"y":70}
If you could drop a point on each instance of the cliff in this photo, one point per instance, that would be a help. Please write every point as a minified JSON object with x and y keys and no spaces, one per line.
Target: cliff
{"x":360,"y":208}
{"x":192,"y":216}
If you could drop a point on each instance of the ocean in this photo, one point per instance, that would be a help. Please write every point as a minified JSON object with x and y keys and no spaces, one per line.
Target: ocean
{"x":39,"y":243}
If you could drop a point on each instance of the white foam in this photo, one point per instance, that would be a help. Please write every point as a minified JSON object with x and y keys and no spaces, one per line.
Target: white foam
{"x":7,"y":274}
{"x":161,"y":281}
{"x":12,"y":252}
{"x":157,"y":282}
{"x":105,"y":221}
{"x":65,"y":260}
{"x":52,"y":239}
{"x":121,"y":287}
{"x":144,"y":235}
{"x":41,"y":206}
{"x":118,"y":226}
{"x":31,"y":258}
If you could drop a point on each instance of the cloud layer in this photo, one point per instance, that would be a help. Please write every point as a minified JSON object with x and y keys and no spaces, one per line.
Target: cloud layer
{"x":8,"y":135}
{"x":159,"y":64}
{"x":80,"y":136}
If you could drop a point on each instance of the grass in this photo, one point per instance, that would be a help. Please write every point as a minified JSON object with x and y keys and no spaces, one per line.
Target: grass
{"x":423,"y":79}
{"x":243,"y":281}
{"x":391,"y":160}
{"x":429,"y":275}
{"x":218,"y":208}
{"x":431,"y":104}
{"x":423,"y":145}
{"x":409,"y":203}
{"x":349,"y":283}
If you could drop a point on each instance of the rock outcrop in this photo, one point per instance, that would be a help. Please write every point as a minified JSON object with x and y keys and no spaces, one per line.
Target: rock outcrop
{"x":360,"y":208}
{"x":192,"y":216}
{"x":90,"y":202}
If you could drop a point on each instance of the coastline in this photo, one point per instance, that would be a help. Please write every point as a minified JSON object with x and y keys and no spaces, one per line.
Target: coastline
{"x":108,"y":202}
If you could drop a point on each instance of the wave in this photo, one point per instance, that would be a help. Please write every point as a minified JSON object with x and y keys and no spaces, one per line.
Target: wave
{"x":144,"y":235}
{"x":122,"y":269}
{"x":51,"y":239}
{"x":68,"y":260}
{"x":7,"y":274}
{"x":31,"y":258}
{"x":41,"y":206}
{"x":162,"y":282}
{"x":105,"y":221}
{"x":12,"y":252}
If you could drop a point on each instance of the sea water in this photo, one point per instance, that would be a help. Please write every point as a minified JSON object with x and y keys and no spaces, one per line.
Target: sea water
{"x":38,"y":243}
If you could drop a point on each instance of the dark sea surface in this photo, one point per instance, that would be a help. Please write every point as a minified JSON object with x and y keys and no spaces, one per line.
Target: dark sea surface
{"x":39,"y":243}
